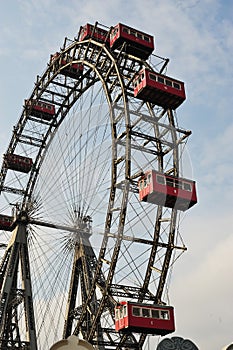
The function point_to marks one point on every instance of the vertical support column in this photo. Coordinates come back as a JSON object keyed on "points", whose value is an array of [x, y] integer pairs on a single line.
{"points": [[13, 294], [27, 287], [72, 294], [8, 293]]}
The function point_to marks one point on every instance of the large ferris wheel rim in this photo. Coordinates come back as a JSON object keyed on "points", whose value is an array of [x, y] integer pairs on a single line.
{"points": [[47, 79]]}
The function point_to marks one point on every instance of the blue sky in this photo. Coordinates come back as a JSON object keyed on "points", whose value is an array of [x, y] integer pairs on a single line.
{"points": [[197, 36]]}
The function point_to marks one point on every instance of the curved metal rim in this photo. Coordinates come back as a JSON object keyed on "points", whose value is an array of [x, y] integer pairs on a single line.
{"points": [[45, 81]]}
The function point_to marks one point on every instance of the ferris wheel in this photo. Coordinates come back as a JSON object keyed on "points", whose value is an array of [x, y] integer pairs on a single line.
{"points": [[91, 193]]}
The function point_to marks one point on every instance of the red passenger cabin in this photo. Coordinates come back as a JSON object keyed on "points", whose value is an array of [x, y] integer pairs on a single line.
{"points": [[90, 31], [18, 163], [167, 190], [73, 70], [6, 222], [144, 318], [137, 43], [159, 89], [40, 109]]}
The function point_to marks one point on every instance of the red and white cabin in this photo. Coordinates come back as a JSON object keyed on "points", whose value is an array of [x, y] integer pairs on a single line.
{"points": [[18, 163], [166, 190], [138, 44], [144, 318], [40, 109], [159, 89], [73, 70], [90, 31], [6, 222]]}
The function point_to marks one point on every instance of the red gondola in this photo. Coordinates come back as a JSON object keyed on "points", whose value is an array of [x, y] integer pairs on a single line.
{"points": [[40, 109], [138, 44], [167, 190], [144, 318], [18, 163], [159, 89], [90, 31], [6, 222], [74, 70]]}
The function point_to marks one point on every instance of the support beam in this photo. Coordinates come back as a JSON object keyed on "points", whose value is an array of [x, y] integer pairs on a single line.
{"points": [[16, 290]]}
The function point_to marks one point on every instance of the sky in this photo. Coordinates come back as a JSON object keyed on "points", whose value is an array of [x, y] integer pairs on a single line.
{"points": [[197, 36]]}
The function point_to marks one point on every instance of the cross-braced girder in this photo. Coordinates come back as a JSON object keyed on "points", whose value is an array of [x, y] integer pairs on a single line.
{"points": [[16, 295]]}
